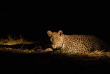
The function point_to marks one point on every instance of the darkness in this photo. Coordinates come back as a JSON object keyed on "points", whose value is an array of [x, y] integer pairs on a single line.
{"points": [[33, 19]]}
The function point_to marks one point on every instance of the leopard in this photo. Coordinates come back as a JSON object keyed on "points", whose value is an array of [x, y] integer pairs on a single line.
{"points": [[74, 43]]}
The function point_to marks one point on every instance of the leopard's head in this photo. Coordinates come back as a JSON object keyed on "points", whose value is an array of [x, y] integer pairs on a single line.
{"points": [[56, 39]]}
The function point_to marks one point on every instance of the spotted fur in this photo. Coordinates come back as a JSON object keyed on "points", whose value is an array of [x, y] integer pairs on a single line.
{"points": [[73, 43]]}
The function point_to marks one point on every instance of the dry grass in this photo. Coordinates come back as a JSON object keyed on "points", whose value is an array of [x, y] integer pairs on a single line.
{"points": [[25, 51], [98, 54], [95, 54], [11, 50], [90, 54], [12, 41]]}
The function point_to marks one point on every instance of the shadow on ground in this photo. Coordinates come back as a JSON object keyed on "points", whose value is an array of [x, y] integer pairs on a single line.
{"points": [[52, 63]]}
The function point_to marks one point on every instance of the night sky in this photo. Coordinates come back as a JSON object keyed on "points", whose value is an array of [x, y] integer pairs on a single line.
{"points": [[33, 19]]}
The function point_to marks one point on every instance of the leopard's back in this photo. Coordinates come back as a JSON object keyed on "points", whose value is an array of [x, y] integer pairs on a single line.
{"points": [[81, 43]]}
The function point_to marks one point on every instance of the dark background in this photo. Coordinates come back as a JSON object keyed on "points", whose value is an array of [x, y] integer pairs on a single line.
{"points": [[33, 19]]}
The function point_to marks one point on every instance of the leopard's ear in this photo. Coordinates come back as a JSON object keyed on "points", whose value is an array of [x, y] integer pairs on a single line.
{"points": [[49, 33], [60, 32]]}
